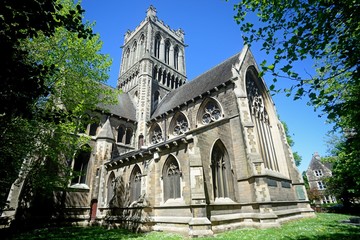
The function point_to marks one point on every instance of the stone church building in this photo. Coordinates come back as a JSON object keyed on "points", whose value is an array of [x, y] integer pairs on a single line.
{"points": [[196, 157]]}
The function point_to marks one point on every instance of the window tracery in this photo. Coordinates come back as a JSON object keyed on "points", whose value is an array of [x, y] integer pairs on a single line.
{"points": [[261, 121], [211, 113], [171, 179], [221, 171], [180, 124], [156, 136]]}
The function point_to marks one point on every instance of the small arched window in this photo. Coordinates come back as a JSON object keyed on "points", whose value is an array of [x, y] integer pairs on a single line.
{"points": [[129, 134], [157, 46], [156, 135], [80, 166], [179, 124], [135, 184], [110, 187], [171, 179], [121, 134], [209, 112], [140, 141]]}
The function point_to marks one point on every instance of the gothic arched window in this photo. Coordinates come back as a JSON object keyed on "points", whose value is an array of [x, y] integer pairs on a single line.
{"points": [[110, 187], [176, 57], [221, 171], [171, 179], [128, 137], [121, 134], [156, 134], [135, 184], [209, 112], [80, 166], [127, 59], [140, 141], [157, 46], [179, 124], [167, 51], [134, 53], [260, 118]]}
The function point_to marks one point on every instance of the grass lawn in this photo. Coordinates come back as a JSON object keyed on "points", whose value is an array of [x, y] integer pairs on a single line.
{"points": [[324, 226]]}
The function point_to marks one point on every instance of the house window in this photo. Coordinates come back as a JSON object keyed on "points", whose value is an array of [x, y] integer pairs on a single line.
{"points": [[261, 120], [318, 173], [221, 171], [135, 184], [80, 166], [110, 187], [321, 185], [156, 135], [210, 112], [171, 179], [179, 124]]}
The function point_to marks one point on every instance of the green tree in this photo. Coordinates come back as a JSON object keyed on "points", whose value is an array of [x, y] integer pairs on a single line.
{"points": [[328, 33], [22, 80], [73, 90], [291, 143]]}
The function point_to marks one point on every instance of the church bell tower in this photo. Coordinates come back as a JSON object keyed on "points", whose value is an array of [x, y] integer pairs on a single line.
{"points": [[153, 64]]}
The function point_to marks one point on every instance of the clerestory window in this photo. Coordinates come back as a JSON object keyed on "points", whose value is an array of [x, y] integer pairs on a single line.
{"points": [[179, 124], [210, 112], [156, 135]]}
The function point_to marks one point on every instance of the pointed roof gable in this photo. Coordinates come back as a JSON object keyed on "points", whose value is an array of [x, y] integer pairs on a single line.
{"points": [[106, 131], [316, 163], [201, 84]]}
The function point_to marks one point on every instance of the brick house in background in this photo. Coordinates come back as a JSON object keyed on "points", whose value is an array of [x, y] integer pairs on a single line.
{"points": [[197, 157], [316, 174]]}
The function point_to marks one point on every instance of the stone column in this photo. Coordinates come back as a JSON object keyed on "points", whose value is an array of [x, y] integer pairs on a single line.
{"points": [[199, 225]]}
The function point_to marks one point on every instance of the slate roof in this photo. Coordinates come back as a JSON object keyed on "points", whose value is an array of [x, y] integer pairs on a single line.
{"points": [[123, 108], [201, 84]]}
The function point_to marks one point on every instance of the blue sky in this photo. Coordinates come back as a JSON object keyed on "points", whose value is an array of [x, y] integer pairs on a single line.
{"points": [[212, 36]]}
